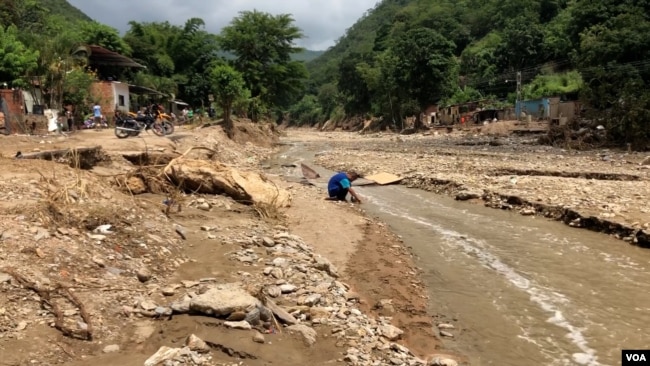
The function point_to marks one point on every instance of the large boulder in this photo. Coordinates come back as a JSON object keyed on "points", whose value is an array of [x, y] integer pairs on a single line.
{"points": [[212, 177], [223, 300]]}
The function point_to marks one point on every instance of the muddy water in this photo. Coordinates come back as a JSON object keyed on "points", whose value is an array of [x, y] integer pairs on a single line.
{"points": [[524, 290]]}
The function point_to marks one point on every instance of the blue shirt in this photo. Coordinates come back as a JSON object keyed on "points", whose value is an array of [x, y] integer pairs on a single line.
{"points": [[338, 181], [97, 110]]}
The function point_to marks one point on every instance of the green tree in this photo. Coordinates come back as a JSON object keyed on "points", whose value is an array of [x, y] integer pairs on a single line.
{"points": [[263, 45], [94, 33], [227, 87], [16, 60], [424, 67]]}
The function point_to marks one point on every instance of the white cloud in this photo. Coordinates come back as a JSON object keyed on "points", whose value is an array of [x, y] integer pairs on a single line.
{"points": [[322, 21]]}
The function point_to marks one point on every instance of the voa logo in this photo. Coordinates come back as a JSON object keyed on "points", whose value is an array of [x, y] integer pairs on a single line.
{"points": [[635, 357]]}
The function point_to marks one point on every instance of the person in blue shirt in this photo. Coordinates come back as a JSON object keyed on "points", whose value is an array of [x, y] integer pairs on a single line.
{"points": [[97, 113], [340, 185]]}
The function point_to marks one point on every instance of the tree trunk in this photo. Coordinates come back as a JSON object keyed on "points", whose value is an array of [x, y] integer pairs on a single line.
{"points": [[228, 125]]}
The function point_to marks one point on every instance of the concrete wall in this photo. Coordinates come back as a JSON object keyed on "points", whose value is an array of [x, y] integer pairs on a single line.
{"points": [[538, 108], [121, 96]]}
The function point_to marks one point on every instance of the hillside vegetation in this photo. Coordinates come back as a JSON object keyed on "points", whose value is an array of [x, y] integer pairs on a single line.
{"points": [[399, 58], [404, 55]]}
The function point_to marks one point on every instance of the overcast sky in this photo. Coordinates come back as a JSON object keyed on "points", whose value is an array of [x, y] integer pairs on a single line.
{"points": [[322, 21]]}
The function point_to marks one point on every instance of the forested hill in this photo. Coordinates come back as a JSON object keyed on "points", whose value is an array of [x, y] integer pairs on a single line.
{"points": [[64, 9], [406, 54]]}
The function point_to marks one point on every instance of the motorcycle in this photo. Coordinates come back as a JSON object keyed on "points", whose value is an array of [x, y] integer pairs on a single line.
{"points": [[165, 120], [90, 123], [126, 126]]}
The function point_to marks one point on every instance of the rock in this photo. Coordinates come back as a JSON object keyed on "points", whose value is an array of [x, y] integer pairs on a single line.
{"points": [[282, 314], [237, 316], [182, 306], [111, 348], [143, 275], [222, 300], [308, 334], [41, 233], [442, 361], [181, 231], [148, 305], [322, 264], [4, 277], [203, 206], [312, 299], [163, 311], [268, 242], [258, 337], [22, 325], [168, 291], [467, 195], [446, 334], [163, 354], [238, 325], [212, 177], [445, 326], [277, 273], [196, 344], [390, 332], [319, 313], [288, 288], [274, 291]]}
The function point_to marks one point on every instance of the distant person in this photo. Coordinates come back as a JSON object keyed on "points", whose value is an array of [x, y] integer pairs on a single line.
{"points": [[340, 185], [68, 116], [97, 113]]}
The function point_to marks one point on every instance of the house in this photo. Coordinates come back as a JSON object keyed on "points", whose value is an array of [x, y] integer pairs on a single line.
{"points": [[551, 109], [109, 93]]}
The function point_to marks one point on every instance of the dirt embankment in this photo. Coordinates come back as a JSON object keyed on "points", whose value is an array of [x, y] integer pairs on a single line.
{"points": [[600, 190], [117, 263]]}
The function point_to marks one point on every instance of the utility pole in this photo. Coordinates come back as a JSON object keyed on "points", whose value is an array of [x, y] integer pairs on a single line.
{"points": [[518, 95]]}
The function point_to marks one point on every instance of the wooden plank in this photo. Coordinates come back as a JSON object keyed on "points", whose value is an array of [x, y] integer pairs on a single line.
{"points": [[384, 178]]}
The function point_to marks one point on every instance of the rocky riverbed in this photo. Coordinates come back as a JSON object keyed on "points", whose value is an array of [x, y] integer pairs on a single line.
{"points": [[601, 190], [94, 272]]}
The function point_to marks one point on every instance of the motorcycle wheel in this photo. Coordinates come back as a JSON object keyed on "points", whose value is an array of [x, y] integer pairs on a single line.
{"points": [[121, 134], [158, 129], [168, 127]]}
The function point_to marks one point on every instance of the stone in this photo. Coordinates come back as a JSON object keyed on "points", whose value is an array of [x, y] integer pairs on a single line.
{"points": [[196, 344], [277, 273], [148, 305], [163, 354], [312, 299], [282, 314], [445, 326], [322, 264], [168, 291], [268, 242], [390, 332], [319, 313], [288, 288], [258, 337], [111, 348], [182, 306], [22, 325], [446, 334], [143, 275], [468, 195], [238, 325], [274, 291], [222, 300], [4, 277], [442, 361], [181, 231], [237, 316], [308, 334]]}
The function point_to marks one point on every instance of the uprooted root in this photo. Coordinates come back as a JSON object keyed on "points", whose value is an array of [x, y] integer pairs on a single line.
{"points": [[47, 300]]}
